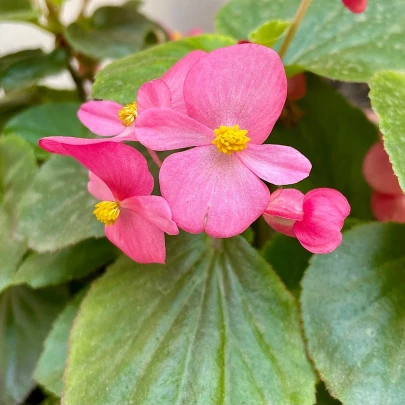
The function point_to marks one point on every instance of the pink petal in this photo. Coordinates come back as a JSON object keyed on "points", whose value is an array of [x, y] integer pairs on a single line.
{"points": [[137, 238], [154, 209], [244, 85], [152, 94], [281, 225], [166, 129], [286, 203], [122, 168], [98, 189], [101, 117], [175, 76], [355, 6], [378, 172], [333, 196], [276, 164], [296, 87], [209, 190], [388, 208]]}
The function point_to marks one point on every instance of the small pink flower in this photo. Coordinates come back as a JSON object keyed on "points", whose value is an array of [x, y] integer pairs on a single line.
{"points": [[108, 118], [388, 200], [233, 98], [135, 221], [355, 6], [296, 87], [315, 218]]}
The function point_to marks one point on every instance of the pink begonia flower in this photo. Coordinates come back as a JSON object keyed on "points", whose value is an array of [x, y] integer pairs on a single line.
{"points": [[233, 97], [387, 200], [110, 119], [135, 221], [315, 218], [355, 6]]}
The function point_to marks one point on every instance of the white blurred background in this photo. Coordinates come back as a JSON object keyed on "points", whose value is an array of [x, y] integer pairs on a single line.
{"points": [[177, 15]]}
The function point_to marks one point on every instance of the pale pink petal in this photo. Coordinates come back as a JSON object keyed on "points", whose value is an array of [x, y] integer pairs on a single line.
{"points": [[209, 190], [277, 164], [333, 196], [122, 168], [101, 117], [237, 85], [137, 238], [175, 76], [286, 203], [155, 209], [355, 6], [388, 208], [153, 94], [166, 129], [98, 189], [378, 172], [281, 225]]}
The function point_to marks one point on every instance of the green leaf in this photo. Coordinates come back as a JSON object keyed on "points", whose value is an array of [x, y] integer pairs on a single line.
{"points": [[17, 10], [26, 317], [353, 304], [388, 100], [25, 68], [57, 211], [78, 261], [335, 137], [270, 32], [113, 32], [51, 364], [331, 41], [213, 326], [46, 120], [288, 258], [121, 79]]}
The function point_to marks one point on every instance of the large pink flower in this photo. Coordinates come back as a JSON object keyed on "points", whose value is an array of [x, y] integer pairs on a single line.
{"points": [[233, 98], [134, 220], [388, 200], [315, 219], [110, 119], [355, 6]]}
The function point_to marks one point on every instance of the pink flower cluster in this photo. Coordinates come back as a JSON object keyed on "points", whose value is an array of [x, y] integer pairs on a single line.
{"points": [[218, 108]]}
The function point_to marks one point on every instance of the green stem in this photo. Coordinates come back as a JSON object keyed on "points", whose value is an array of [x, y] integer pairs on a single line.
{"points": [[302, 9], [78, 82]]}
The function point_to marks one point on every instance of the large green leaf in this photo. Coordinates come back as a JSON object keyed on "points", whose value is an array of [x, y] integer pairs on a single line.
{"points": [[57, 210], [353, 304], [330, 41], [46, 120], [26, 317], [121, 79], [16, 10], [113, 32], [49, 370], [388, 100], [44, 269], [213, 326], [25, 68], [335, 137]]}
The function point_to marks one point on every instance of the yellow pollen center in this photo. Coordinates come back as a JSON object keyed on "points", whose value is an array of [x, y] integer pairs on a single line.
{"points": [[230, 139], [128, 114], [107, 212]]}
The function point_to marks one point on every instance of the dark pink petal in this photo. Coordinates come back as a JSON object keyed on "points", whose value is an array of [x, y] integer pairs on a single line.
{"points": [[175, 76], [388, 207], [154, 209], [122, 168], [237, 85], [101, 117], [277, 164], [209, 190], [286, 203], [98, 189], [153, 94], [296, 87], [333, 196], [137, 238], [355, 6], [166, 129], [378, 172]]}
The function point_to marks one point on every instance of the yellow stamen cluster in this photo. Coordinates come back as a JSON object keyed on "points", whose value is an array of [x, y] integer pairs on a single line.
{"points": [[107, 212], [128, 114], [230, 139]]}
